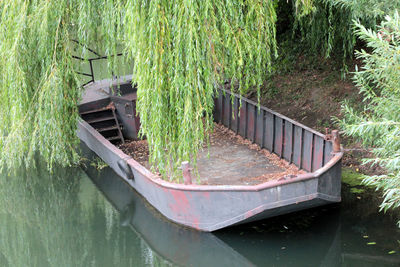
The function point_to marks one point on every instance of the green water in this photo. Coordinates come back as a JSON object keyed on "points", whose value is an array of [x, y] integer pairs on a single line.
{"points": [[61, 219], [68, 219]]}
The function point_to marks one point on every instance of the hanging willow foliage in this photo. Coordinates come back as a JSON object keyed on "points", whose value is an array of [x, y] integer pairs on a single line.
{"points": [[38, 89], [183, 50], [327, 27]]}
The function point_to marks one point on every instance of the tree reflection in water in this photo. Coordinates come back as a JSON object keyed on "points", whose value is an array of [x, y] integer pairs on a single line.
{"points": [[61, 219]]}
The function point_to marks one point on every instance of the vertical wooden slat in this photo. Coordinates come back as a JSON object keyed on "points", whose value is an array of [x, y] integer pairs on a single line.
{"points": [[269, 131], [288, 147], [297, 145], [328, 151], [216, 109], [251, 121], [255, 123], [318, 155], [230, 111], [307, 151], [278, 142], [226, 113], [260, 128], [243, 119], [235, 119], [220, 106]]}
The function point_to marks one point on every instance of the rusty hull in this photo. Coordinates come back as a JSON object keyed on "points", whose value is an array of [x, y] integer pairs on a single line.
{"points": [[212, 207]]}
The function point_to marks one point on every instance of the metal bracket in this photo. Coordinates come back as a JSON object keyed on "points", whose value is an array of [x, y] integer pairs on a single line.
{"points": [[186, 172], [334, 138], [123, 165]]}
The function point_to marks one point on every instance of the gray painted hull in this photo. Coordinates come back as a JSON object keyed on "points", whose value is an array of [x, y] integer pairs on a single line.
{"points": [[209, 208]]}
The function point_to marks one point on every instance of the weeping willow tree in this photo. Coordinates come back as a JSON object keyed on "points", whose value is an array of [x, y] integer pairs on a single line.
{"points": [[182, 50], [326, 27]]}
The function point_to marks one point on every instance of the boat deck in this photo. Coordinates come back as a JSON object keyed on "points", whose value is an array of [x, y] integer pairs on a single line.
{"points": [[230, 160]]}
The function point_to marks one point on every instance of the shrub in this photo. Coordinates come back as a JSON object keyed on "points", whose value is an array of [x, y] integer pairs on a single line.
{"points": [[378, 124]]}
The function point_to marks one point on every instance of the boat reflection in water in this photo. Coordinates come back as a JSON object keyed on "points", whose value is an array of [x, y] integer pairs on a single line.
{"points": [[247, 245]]}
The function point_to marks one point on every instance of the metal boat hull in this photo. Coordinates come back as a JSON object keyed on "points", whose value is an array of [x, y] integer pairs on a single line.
{"points": [[209, 208]]}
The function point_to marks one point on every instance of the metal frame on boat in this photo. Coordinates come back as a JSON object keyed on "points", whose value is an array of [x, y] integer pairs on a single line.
{"points": [[212, 207]]}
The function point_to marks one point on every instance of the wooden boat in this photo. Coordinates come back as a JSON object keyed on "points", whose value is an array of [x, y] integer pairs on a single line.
{"points": [[209, 207]]}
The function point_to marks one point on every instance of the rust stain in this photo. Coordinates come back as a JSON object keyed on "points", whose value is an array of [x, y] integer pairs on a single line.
{"points": [[182, 209], [206, 194], [196, 223], [249, 214], [181, 205]]}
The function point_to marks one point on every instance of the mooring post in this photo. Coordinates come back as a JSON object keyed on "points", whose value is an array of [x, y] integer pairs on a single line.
{"points": [[187, 177], [336, 141]]}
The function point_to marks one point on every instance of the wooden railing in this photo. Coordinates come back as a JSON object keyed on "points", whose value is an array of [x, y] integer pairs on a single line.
{"points": [[295, 142]]}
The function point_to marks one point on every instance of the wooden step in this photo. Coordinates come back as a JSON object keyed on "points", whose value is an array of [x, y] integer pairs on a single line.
{"points": [[105, 129], [95, 110], [108, 118], [112, 138]]}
